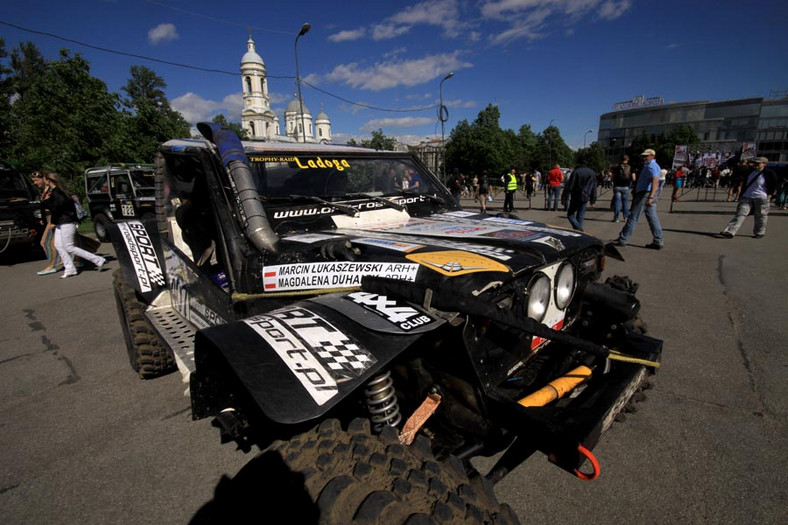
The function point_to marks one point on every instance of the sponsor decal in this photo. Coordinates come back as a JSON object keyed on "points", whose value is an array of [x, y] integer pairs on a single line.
{"points": [[490, 251], [453, 214], [552, 242], [143, 256], [456, 262], [309, 238], [304, 212], [536, 227], [306, 276], [513, 235], [537, 341], [319, 354], [303, 162], [405, 317], [398, 246]]}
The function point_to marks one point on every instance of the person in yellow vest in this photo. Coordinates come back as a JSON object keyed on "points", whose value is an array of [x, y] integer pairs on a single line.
{"points": [[510, 186]]}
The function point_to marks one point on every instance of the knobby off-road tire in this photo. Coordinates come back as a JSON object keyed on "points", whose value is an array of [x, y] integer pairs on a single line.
{"points": [[100, 223], [147, 354], [332, 476]]}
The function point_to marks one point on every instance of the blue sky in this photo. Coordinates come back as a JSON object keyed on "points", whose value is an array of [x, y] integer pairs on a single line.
{"points": [[540, 61]]}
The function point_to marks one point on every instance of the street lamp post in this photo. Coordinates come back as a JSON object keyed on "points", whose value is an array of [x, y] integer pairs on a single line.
{"points": [[304, 30], [550, 141], [586, 135], [443, 116]]}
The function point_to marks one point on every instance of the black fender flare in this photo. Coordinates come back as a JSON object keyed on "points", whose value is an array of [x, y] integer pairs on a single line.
{"points": [[140, 256], [298, 362]]}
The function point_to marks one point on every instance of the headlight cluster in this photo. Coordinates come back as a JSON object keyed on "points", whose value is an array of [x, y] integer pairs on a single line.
{"points": [[540, 289]]}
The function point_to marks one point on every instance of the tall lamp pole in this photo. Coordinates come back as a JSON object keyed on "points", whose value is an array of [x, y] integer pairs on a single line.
{"points": [[304, 30], [443, 116], [586, 135], [550, 142]]}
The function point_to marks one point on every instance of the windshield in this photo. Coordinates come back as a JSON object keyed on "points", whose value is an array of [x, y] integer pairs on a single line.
{"points": [[143, 182], [326, 176], [13, 185]]}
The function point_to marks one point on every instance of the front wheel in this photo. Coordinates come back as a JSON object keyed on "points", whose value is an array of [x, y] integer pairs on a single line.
{"points": [[333, 476], [147, 353], [100, 223]]}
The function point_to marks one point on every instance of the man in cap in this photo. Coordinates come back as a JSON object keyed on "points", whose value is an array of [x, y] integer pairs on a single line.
{"points": [[646, 190], [755, 192]]}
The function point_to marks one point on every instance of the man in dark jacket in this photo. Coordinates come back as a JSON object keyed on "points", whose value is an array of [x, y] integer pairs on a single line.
{"points": [[582, 191], [755, 192]]}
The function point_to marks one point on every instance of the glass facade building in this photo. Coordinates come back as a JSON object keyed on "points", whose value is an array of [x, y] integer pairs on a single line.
{"points": [[720, 126]]}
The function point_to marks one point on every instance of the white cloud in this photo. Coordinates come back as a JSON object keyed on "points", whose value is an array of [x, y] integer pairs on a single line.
{"points": [[531, 18], [388, 31], [393, 73], [348, 35], [403, 122], [196, 109], [162, 33]]}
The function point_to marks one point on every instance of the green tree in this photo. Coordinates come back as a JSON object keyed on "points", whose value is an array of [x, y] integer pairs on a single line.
{"points": [[483, 145], [380, 141], [63, 121], [235, 126], [593, 156], [149, 118], [553, 150]]}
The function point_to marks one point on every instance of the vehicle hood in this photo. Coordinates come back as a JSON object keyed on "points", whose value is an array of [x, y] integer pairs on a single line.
{"points": [[389, 243]]}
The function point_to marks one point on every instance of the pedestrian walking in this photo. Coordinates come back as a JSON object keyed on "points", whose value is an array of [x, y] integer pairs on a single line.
{"points": [[510, 186], [646, 188], [582, 191], [455, 185], [554, 179], [623, 177], [48, 235], [755, 194], [484, 190], [64, 217]]}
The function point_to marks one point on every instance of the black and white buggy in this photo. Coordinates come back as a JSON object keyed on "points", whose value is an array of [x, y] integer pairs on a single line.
{"points": [[335, 307]]}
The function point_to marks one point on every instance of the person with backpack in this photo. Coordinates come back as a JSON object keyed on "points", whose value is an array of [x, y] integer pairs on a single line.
{"points": [[622, 180], [581, 190], [64, 217]]}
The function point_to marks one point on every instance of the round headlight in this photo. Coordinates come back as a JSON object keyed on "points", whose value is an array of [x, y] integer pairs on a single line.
{"points": [[564, 286], [538, 297]]}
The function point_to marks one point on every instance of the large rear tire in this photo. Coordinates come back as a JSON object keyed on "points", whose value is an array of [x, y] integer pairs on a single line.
{"points": [[333, 476], [147, 353]]}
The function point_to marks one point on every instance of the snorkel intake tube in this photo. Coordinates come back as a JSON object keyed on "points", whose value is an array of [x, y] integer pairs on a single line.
{"points": [[237, 164]]}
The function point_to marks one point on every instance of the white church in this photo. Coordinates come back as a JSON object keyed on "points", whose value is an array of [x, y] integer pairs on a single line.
{"points": [[258, 118]]}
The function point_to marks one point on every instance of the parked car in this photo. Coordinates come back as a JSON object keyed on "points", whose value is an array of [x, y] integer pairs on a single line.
{"points": [[118, 192], [21, 220]]}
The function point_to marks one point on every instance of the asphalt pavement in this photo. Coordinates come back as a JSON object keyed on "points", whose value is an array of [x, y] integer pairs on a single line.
{"points": [[83, 440]]}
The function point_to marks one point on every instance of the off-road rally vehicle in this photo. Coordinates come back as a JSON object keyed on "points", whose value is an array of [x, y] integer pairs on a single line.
{"points": [[21, 220], [335, 307], [119, 192]]}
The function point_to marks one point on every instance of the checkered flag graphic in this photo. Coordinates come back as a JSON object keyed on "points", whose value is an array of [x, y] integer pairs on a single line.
{"points": [[343, 356]]}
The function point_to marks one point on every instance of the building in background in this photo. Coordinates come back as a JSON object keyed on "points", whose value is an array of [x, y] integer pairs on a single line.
{"points": [[259, 119], [721, 127]]}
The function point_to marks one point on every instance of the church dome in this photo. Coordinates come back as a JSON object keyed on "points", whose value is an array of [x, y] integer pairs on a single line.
{"points": [[251, 55], [294, 107]]}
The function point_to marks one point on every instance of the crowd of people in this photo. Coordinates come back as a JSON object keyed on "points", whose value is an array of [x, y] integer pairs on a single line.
{"points": [[636, 192]]}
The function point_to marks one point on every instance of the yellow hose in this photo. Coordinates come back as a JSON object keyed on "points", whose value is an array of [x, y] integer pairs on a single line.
{"points": [[557, 388]]}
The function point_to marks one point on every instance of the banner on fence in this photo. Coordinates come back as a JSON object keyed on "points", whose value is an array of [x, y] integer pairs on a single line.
{"points": [[680, 157], [747, 150]]}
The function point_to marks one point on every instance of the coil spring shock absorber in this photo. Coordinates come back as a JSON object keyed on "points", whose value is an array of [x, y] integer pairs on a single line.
{"points": [[382, 402]]}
